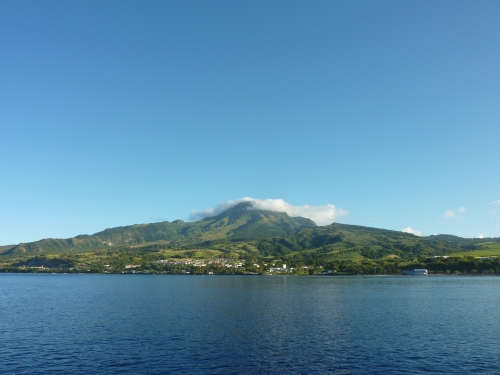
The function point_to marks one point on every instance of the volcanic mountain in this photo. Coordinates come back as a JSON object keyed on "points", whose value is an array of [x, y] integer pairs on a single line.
{"points": [[240, 222], [247, 229]]}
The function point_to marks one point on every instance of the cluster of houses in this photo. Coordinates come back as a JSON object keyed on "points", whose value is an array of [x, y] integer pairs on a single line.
{"points": [[223, 262]]}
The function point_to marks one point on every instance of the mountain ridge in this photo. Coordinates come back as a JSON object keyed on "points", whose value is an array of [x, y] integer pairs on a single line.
{"points": [[243, 226], [238, 222]]}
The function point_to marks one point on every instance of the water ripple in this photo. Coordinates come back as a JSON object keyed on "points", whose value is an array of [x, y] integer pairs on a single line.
{"points": [[111, 324]]}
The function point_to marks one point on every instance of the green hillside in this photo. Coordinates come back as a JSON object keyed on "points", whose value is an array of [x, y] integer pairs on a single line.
{"points": [[485, 249], [237, 223], [246, 233], [4, 249]]}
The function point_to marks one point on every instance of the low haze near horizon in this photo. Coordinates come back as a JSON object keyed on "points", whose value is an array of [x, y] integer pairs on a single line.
{"points": [[122, 112]]}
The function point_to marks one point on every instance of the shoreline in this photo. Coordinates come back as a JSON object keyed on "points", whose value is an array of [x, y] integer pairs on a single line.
{"points": [[249, 275]]}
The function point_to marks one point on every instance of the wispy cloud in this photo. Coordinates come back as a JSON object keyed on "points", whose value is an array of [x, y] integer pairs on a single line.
{"points": [[454, 214], [450, 214], [480, 236], [412, 231], [321, 215], [496, 202]]}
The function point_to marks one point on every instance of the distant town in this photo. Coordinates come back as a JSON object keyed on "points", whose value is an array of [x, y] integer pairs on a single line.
{"points": [[435, 265]]}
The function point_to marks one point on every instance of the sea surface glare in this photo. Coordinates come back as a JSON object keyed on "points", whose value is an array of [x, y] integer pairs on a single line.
{"points": [[145, 324]]}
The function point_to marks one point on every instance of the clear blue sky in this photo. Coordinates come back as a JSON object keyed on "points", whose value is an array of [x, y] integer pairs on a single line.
{"points": [[121, 112]]}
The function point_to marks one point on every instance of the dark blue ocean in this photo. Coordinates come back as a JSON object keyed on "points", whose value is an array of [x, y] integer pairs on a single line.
{"points": [[146, 324]]}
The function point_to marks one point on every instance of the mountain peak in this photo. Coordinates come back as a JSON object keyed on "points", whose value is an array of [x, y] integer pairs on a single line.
{"points": [[245, 221], [246, 205]]}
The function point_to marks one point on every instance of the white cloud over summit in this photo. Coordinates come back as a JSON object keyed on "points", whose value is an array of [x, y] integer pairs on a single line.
{"points": [[412, 231], [321, 215]]}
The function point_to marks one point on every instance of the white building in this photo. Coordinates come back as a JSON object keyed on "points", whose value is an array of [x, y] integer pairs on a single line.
{"points": [[418, 271]]}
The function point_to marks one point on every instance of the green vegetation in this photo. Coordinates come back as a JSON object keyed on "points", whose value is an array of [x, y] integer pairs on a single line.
{"points": [[251, 241], [486, 249]]}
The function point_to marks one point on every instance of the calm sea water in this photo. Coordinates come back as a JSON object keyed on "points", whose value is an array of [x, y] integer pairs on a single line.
{"points": [[116, 324]]}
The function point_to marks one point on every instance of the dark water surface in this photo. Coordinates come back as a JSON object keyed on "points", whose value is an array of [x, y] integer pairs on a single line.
{"points": [[117, 324]]}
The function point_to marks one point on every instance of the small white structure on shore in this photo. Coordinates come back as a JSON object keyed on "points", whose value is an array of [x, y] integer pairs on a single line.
{"points": [[418, 271]]}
